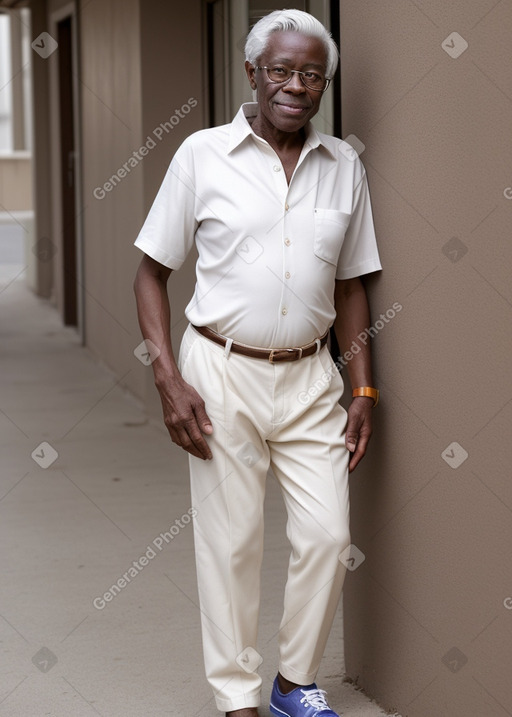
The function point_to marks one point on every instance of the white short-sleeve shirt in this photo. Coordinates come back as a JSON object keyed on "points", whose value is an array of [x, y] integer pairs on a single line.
{"points": [[268, 252]]}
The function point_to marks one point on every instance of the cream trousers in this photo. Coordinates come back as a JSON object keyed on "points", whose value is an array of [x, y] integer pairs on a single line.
{"points": [[285, 416]]}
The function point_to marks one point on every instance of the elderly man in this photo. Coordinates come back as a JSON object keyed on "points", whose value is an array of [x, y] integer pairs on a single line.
{"points": [[281, 218]]}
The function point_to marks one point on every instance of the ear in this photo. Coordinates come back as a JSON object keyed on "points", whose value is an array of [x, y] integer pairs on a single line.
{"points": [[251, 72]]}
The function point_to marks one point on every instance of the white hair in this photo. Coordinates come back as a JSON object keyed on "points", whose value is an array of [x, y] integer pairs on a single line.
{"points": [[295, 21]]}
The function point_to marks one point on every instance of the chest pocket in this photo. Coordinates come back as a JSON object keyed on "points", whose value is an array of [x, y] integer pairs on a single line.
{"points": [[330, 228]]}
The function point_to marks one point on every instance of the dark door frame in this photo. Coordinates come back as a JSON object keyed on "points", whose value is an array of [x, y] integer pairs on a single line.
{"points": [[68, 207], [67, 170]]}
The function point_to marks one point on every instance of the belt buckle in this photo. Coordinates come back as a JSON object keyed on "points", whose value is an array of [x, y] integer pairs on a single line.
{"points": [[284, 354]]}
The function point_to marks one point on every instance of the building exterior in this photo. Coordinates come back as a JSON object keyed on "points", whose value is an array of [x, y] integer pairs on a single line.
{"points": [[426, 98]]}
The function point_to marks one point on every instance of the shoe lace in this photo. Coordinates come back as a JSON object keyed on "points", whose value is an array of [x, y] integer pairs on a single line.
{"points": [[314, 698]]}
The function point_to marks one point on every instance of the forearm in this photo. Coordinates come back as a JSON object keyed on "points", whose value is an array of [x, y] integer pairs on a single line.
{"points": [[154, 314], [352, 318], [183, 408]]}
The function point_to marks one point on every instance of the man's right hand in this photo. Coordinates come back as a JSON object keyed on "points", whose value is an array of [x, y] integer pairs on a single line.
{"points": [[184, 412], [185, 416]]}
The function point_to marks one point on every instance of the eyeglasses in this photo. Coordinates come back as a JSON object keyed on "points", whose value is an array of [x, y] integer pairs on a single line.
{"points": [[312, 80]]}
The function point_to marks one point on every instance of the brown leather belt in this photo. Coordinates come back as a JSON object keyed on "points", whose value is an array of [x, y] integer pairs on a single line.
{"points": [[272, 355]]}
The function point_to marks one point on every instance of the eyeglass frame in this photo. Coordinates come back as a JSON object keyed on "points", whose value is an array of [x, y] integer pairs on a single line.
{"points": [[298, 72]]}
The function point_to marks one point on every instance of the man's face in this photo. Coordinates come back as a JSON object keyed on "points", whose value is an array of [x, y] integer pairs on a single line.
{"points": [[288, 107]]}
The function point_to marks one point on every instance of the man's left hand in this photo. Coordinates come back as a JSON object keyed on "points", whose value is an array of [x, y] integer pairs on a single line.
{"points": [[359, 428]]}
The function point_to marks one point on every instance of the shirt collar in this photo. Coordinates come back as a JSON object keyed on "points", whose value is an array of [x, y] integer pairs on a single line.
{"points": [[241, 129]]}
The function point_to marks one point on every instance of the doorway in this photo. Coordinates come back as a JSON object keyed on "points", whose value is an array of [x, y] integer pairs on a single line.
{"points": [[67, 172]]}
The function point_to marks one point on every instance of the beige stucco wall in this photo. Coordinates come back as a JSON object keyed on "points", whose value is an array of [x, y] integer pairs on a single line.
{"points": [[171, 39], [111, 132], [432, 591], [16, 181], [127, 50]]}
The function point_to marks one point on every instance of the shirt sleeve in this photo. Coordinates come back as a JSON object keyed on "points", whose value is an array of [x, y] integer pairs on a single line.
{"points": [[168, 233], [359, 253]]}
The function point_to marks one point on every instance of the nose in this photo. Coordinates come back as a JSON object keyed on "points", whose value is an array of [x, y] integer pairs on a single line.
{"points": [[294, 84]]}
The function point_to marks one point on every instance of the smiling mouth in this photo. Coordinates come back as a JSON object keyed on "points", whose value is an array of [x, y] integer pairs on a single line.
{"points": [[294, 109]]}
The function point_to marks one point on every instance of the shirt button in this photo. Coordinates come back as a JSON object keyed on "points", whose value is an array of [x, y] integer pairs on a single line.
{"points": [[287, 275], [287, 242], [277, 168], [286, 206], [284, 311]]}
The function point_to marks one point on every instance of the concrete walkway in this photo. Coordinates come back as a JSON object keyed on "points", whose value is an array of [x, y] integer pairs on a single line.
{"points": [[88, 487]]}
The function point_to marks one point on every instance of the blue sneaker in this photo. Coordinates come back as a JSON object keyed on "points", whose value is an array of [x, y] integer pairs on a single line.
{"points": [[306, 701]]}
